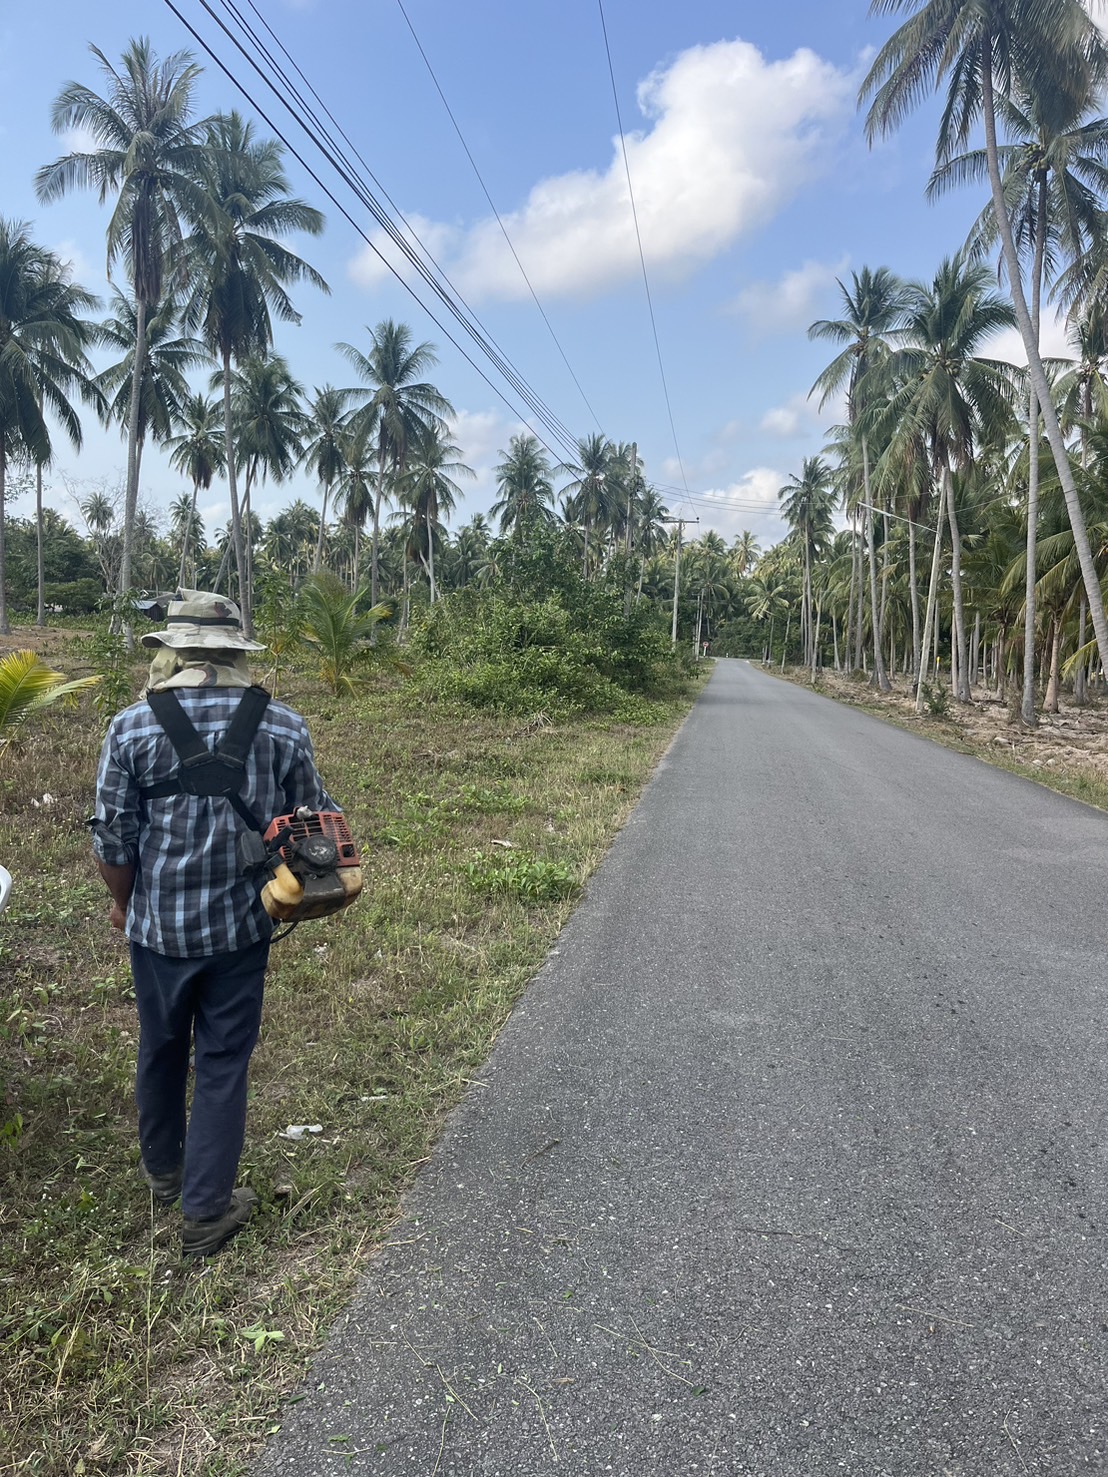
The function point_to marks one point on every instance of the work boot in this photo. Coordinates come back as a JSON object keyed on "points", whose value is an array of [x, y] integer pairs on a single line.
{"points": [[165, 1188], [205, 1238]]}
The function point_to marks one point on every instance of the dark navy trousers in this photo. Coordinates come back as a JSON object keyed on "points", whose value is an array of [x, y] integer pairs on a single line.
{"points": [[214, 1003]]}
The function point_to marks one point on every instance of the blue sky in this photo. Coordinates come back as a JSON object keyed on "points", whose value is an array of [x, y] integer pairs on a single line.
{"points": [[753, 184]]}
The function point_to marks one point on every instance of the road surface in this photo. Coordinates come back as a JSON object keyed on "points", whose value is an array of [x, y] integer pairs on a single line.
{"points": [[792, 1161]]}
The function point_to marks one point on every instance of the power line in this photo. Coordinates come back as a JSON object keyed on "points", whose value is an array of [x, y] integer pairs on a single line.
{"points": [[496, 213], [638, 238], [346, 173], [433, 274]]}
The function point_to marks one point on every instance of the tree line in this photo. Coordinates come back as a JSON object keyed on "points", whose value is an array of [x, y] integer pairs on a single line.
{"points": [[976, 493]]}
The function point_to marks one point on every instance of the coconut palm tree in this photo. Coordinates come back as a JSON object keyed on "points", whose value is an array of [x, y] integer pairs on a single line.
{"points": [[239, 271], [807, 502], [981, 51], [197, 453], [745, 551], [953, 400], [590, 495], [431, 491], [356, 490], [399, 409], [873, 311], [268, 415], [1052, 174], [163, 386], [323, 449], [43, 343], [147, 155], [523, 480]]}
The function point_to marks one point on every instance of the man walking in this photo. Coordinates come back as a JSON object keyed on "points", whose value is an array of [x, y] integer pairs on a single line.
{"points": [[199, 935]]}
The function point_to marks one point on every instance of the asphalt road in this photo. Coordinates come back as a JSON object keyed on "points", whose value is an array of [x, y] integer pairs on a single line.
{"points": [[792, 1161]]}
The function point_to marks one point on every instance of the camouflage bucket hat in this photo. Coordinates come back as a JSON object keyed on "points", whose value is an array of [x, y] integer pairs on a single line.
{"points": [[199, 619]]}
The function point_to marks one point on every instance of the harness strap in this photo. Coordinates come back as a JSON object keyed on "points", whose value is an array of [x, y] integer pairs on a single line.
{"points": [[190, 748]]}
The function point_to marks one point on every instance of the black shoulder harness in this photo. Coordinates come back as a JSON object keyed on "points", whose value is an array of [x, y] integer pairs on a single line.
{"points": [[202, 772]]}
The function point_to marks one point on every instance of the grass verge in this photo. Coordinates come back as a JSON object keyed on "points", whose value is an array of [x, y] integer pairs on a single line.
{"points": [[480, 832]]}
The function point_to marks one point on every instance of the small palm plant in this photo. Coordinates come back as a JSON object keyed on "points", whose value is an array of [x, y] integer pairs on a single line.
{"points": [[337, 630], [28, 685]]}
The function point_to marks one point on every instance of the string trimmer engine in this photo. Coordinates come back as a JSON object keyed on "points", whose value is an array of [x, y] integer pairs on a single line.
{"points": [[315, 863]]}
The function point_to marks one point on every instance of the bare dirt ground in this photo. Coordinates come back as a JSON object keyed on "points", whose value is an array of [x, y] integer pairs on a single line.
{"points": [[1067, 750]]}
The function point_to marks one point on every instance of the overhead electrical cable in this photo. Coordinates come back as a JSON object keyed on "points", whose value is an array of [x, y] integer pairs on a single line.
{"points": [[555, 430], [415, 242], [638, 238], [496, 213], [429, 269]]}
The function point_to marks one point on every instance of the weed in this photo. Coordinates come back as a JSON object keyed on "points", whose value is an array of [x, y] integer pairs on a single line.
{"points": [[936, 697], [522, 876]]}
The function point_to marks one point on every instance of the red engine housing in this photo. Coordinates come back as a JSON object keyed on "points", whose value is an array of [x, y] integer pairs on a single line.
{"points": [[329, 823]]}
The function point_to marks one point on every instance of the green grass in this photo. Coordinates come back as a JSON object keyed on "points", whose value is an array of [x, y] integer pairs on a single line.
{"points": [[119, 1358]]}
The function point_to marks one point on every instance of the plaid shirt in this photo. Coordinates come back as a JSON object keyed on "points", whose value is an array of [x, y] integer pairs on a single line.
{"points": [[189, 898]]}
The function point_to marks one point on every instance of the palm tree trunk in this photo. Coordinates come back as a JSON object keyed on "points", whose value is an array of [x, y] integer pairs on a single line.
{"points": [[317, 563], [914, 596], [1050, 703], [1080, 690], [187, 539], [815, 641], [431, 560], [932, 597], [130, 498], [879, 673], [40, 572], [959, 677], [849, 632], [232, 488], [1035, 366], [835, 639], [5, 628], [785, 646]]}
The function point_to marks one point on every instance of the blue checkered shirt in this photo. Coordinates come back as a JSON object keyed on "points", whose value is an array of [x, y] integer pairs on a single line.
{"points": [[189, 898]]}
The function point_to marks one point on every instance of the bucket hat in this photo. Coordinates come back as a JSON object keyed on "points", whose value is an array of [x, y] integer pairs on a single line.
{"points": [[200, 619]]}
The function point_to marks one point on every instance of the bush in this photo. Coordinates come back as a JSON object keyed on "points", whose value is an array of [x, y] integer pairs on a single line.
{"points": [[494, 650]]}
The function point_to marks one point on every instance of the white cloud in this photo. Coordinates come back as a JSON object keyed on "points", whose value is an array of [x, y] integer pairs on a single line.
{"points": [[800, 416], [731, 138], [1008, 346], [750, 501], [792, 301], [80, 267], [368, 270]]}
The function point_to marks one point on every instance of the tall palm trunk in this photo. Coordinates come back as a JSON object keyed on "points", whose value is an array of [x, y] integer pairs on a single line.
{"points": [[960, 676], [1035, 365], [1054, 682], [40, 571], [932, 600], [5, 628], [1027, 712], [317, 562], [879, 673], [187, 540], [849, 632], [1080, 689], [914, 596], [232, 488], [130, 498]]}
